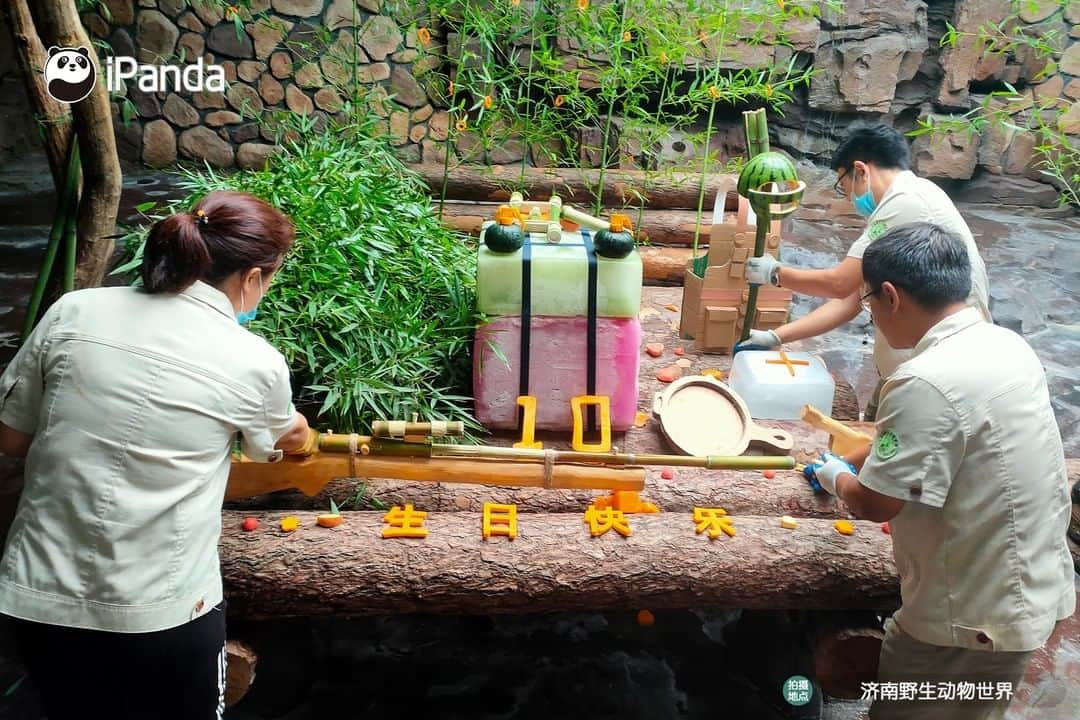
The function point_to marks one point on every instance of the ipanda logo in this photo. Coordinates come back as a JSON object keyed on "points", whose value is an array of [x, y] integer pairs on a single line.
{"points": [[70, 75]]}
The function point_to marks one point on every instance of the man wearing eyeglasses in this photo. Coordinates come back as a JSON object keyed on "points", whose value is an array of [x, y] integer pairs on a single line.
{"points": [[968, 468], [872, 169]]}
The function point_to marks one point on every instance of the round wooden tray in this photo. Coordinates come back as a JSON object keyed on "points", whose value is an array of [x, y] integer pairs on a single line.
{"points": [[701, 416]]}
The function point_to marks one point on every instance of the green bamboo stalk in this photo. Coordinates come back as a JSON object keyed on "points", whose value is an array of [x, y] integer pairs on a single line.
{"points": [[71, 245], [65, 207], [757, 141]]}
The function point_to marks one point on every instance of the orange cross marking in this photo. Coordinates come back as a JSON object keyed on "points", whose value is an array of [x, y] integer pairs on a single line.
{"points": [[785, 360]]}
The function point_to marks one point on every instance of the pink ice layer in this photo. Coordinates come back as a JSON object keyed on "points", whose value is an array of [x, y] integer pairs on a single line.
{"points": [[557, 369]]}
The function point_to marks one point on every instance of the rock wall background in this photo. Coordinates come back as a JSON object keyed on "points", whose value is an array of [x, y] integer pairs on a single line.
{"points": [[876, 60]]}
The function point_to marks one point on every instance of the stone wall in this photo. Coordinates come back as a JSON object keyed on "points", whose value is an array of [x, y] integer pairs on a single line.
{"points": [[876, 59]]}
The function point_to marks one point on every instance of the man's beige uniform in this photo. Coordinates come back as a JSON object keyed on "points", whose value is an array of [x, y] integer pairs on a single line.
{"points": [[910, 199], [967, 438], [133, 401]]}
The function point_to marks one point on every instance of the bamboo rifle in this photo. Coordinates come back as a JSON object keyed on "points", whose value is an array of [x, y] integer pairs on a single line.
{"points": [[406, 451]]}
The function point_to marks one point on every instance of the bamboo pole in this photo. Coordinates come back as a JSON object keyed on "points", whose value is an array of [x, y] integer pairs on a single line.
{"points": [[757, 141], [310, 475]]}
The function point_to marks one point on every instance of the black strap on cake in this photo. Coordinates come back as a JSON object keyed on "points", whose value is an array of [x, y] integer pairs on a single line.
{"points": [[526, 323], [590, 327], [590, 330]]}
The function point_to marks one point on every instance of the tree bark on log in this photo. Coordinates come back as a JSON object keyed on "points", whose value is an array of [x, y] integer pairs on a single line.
{"points": [[54, 117], [661, 227], [58, 23], [552, 565], [665, 265], [575, 186]]}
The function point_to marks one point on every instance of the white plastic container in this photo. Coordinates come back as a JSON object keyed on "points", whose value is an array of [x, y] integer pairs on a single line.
{"points": [[772, 392]]}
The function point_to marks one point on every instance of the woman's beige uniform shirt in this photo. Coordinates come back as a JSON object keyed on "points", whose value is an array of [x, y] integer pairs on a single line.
{"points": [[133, 401]]}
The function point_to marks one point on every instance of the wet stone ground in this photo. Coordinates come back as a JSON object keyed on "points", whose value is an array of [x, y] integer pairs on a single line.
{"points": [[686, 666]]}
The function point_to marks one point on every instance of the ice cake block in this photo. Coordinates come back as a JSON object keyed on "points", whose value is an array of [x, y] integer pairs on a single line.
{"points": [[776, 385], [559, 280], [557, 369]]}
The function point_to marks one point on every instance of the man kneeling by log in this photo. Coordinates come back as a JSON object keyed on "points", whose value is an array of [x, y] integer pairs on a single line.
{"points": [[967, 465]]}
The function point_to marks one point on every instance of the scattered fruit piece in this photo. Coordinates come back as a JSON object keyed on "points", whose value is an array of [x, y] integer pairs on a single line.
{"points": [[290, 523], [683, 363], [655, 349], [679, 351], [713, 373], [768, 474], [788, 523], [672, 308], [669, 374], [250, 524], [885, 528], [329, 520], [667, 474], [640, 419], [844, 527], [645, 618]]}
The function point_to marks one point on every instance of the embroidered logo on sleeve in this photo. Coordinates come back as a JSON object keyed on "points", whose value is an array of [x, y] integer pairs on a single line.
{"points": [[887, 445], [877, 229]]}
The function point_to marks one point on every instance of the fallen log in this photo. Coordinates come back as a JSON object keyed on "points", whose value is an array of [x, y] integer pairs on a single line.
{"points": [[553, 564], [665, 265], [664, 227], [622, 188], [742, 492]]}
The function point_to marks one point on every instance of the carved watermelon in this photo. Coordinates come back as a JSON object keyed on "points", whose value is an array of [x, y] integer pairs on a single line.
{"points": [[765, 168]]}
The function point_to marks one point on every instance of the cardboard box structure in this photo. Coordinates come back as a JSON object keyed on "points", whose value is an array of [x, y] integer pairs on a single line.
{"points": [[714, 305]]}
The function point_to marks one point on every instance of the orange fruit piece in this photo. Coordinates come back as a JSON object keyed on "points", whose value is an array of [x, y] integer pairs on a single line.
{"points": [[329, 520], [655, 349], [669, 374], [679, 351], [645, 618], [769, 474]]}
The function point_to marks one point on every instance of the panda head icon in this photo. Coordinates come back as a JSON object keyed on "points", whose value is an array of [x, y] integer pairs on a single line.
{"points": [[69, 73]]}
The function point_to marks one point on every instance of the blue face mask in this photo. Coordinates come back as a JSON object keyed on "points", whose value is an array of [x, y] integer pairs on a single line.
{"points": [[245, 316], [865, 204]]}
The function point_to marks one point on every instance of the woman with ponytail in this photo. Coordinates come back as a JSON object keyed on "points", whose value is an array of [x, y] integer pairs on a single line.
{"points": [[125, 404]]}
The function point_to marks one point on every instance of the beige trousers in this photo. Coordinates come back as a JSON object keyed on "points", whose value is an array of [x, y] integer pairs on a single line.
{"points": [[937, 671]]}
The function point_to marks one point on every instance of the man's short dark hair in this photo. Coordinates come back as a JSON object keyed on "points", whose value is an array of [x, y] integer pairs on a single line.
{"points": [[927, 261], [878, 144]]}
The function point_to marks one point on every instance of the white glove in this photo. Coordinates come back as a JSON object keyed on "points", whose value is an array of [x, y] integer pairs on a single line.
{"points": [[759, 340], [833, 467], [764, 270]]}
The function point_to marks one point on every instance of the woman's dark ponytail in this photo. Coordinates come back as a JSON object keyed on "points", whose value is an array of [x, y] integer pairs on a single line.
{"points": [[226, 232], [175, 255]]}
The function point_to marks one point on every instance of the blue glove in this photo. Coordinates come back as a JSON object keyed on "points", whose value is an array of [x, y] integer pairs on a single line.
{"points": [[758, 340], [822, 475]]}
